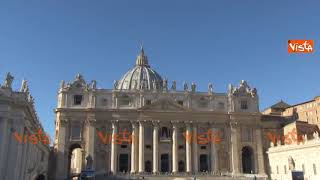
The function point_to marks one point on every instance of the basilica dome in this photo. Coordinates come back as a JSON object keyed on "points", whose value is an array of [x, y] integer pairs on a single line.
{"points": [[142, 76]]}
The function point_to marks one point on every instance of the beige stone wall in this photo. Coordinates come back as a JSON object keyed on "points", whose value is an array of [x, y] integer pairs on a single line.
{"points": [[306, 158], [20, 159], [308, 112], [235, 114]]}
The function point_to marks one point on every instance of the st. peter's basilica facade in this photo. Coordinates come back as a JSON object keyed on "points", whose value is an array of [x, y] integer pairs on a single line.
{"points": [[169, 130]]}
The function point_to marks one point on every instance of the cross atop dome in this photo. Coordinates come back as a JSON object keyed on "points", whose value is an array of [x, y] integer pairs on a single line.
{"points": [[142, 59]]}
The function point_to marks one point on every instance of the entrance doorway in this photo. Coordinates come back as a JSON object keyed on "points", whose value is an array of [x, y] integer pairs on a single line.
{"points": [[181, 166], [148, 166], [75, 159], [204, 163], [41, 177], [123, 162], [164, 162], [247, 160]]}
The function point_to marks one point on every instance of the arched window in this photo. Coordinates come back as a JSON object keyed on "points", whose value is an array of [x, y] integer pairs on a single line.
{"points": [[165, 132]]}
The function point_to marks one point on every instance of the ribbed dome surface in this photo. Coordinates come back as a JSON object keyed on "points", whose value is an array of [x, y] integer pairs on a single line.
{"points": [[141, 76]]}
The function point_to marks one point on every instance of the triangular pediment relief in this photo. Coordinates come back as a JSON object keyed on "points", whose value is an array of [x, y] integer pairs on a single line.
{"points": [[164, 105]]}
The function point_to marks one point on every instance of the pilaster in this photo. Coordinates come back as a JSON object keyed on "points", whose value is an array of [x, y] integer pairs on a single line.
{"points": [[195, 148], [261, 169], [234, 129]]}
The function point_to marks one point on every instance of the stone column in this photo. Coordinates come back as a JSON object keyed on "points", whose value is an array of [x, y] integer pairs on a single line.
{"points": [[213, 153], [155, 147], [141, 147], [174, 147], [195, 148], [114, 153], [134, 145], [90, 138], [188, 139], [260, 159], [234, 148]]}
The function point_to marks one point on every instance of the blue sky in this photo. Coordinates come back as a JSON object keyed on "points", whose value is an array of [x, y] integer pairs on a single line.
{"points": [[221, 42]]}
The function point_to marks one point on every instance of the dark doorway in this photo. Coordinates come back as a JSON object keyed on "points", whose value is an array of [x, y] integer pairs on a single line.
{"points": [[41, 177], [123, 162], [181, 166], [204, 163], [148, 166], [247, 160], [164, 162]]}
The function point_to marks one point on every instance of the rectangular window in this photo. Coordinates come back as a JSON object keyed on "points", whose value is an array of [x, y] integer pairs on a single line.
{"points": [[203, 103], [220, 105], [76, 132], [244, 104], [77, 99], [220, 133], [124, 146], [148, 102], [314, 169], [124, 100], [42, 156], [285, 169], [203, 147], [104, 102], [148, 146], [247, 134]]}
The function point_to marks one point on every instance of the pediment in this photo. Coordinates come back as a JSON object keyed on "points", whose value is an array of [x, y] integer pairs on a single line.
{"points": [[164, 105]]}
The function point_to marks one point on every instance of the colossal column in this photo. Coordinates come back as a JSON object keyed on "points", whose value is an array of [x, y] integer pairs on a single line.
{"points": [[90, 137], [234, 148], [174, 147], [195, 148], [134, 145], [114, 153], [214, 154], [141, 147], [155, 147], [188, 138]]}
